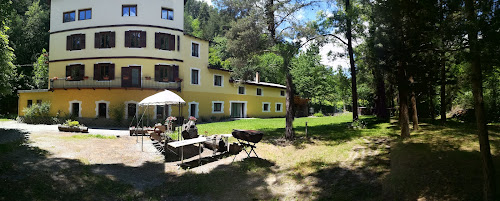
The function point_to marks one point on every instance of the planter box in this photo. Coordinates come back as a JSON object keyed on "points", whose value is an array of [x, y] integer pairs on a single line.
{"points": [[73, 129]]}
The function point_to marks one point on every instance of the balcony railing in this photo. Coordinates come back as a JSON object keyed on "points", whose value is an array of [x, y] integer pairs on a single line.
{"points": [[90, 83]]}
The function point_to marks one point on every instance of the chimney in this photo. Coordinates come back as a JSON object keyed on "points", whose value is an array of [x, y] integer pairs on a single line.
{"points": [[257, 78]]}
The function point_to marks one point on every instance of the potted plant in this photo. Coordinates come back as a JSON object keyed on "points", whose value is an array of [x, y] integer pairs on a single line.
{"points": [[178, 79], [169, 123], [69, 78], [191, 118], [73, 126], [54, 78], [125, 77], [86, 77], [148, 77], [165, 79], [105, 78]]}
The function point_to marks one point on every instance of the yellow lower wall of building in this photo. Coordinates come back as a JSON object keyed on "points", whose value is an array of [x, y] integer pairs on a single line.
{"points": [[60, 102]]}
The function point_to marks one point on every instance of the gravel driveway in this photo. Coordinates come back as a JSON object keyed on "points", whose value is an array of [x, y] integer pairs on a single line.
{"points": [[120, 158]]}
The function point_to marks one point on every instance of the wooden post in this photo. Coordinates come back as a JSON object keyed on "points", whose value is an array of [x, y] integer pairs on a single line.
{"points": [[307, 136]]}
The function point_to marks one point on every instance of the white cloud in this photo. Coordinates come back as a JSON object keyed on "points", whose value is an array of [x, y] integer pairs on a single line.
{"points": [[209, 2]]}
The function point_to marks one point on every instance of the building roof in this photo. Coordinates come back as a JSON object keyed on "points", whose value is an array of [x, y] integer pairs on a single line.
{"points": [[267, 84], [32, 91], [217, 68]]}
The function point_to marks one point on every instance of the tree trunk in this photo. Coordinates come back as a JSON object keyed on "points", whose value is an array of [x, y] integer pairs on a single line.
{"points": [[353, 67], [289, 133], [443, 90], [380, 99], [404, 120], [414, 114], [431, 101], [477, 90]]}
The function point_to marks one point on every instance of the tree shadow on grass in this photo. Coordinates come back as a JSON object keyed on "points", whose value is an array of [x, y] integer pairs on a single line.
{"points": [[29, 173], [421, 170], [334, 133]]}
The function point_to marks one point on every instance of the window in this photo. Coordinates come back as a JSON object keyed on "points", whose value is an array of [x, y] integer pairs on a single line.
{"points": [[166, 73], [75, 42], [75, 109], [195, 49], [104, 40], [30, 103], [167, 14], [131, 110], [135, 39], [259, 92], [104, 71], [218, 80], [38, 102], [241, 90], [195, 76], [129, 10], [193, 109], [279, 107], [75, 72], [69, 16], [282, 93], [164, 41], [217, 106], [266, 107], [160, 111], [85, 14]]}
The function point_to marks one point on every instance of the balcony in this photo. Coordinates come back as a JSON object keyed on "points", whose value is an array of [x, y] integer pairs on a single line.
{"points": [[119, 83]]}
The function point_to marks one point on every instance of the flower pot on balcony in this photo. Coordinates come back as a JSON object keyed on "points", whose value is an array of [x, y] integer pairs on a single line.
{"points": [[165, 80], [54, 78], [178, 79], [126, 77], [69, 78], [105, 78], [148, 78], [86, 77]]}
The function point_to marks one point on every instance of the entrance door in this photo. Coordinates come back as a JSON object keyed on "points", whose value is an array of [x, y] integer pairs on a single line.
{"points": [[237, 110], [103, 110], [131, 76]]}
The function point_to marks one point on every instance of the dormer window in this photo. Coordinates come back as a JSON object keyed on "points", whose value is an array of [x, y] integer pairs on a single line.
{"points": [[129, 10], [69, 16], [167, 14]]}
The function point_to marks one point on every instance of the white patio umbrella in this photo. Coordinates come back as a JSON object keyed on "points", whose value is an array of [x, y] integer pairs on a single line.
{"points": [[161, 98]]}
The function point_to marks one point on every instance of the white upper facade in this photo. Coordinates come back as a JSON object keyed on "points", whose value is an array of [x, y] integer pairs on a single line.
{"points": [[110, 13]]}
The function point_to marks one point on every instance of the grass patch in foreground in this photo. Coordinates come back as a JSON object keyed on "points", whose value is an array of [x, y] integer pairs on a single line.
{"points": [[88, 136], [3, 119]]}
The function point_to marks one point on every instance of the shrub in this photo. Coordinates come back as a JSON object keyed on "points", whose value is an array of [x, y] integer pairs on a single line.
{"points": [[72, 123], [118, 113], [38, 113], [319, 114]]}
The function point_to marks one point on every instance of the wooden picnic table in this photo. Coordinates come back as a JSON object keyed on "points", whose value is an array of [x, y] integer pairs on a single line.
{"points": [[183, 143]]}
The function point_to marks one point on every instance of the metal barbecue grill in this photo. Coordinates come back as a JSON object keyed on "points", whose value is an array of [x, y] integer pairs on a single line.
{"points": [[248, 138]]}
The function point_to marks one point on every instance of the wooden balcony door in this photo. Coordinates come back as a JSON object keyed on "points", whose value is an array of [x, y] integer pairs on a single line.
{"points": [[131, 76]]}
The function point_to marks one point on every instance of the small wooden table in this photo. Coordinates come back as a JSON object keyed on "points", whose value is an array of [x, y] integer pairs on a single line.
{"points": [[183, 143]]}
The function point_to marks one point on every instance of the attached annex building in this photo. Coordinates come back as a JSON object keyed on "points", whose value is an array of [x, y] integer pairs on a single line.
{"points": [[108, 54]]}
